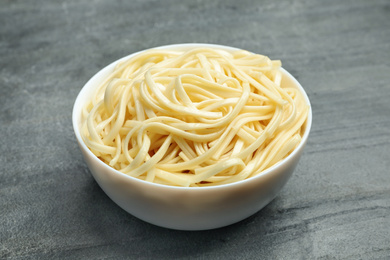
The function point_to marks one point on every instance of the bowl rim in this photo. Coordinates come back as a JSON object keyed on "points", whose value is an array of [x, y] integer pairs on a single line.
{"points": [[79, 101]]}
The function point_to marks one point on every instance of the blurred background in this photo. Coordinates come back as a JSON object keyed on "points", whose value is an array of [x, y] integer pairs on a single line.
{"points": [[336, 205]]}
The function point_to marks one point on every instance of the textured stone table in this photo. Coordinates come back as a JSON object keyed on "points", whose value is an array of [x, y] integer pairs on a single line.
{"points": [[336, 205]]}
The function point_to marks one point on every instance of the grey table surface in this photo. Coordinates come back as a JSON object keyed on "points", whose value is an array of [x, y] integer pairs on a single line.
{"points": [[336, 205]]}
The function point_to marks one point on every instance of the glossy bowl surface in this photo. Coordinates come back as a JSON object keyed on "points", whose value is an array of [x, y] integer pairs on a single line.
{"points": [[193, 208]]}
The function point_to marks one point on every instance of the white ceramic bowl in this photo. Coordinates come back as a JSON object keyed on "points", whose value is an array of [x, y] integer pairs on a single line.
{"points": [[193, 208]]}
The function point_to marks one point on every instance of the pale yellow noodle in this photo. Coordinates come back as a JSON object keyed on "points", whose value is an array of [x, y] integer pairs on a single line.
{"points": [[194, 118]]}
